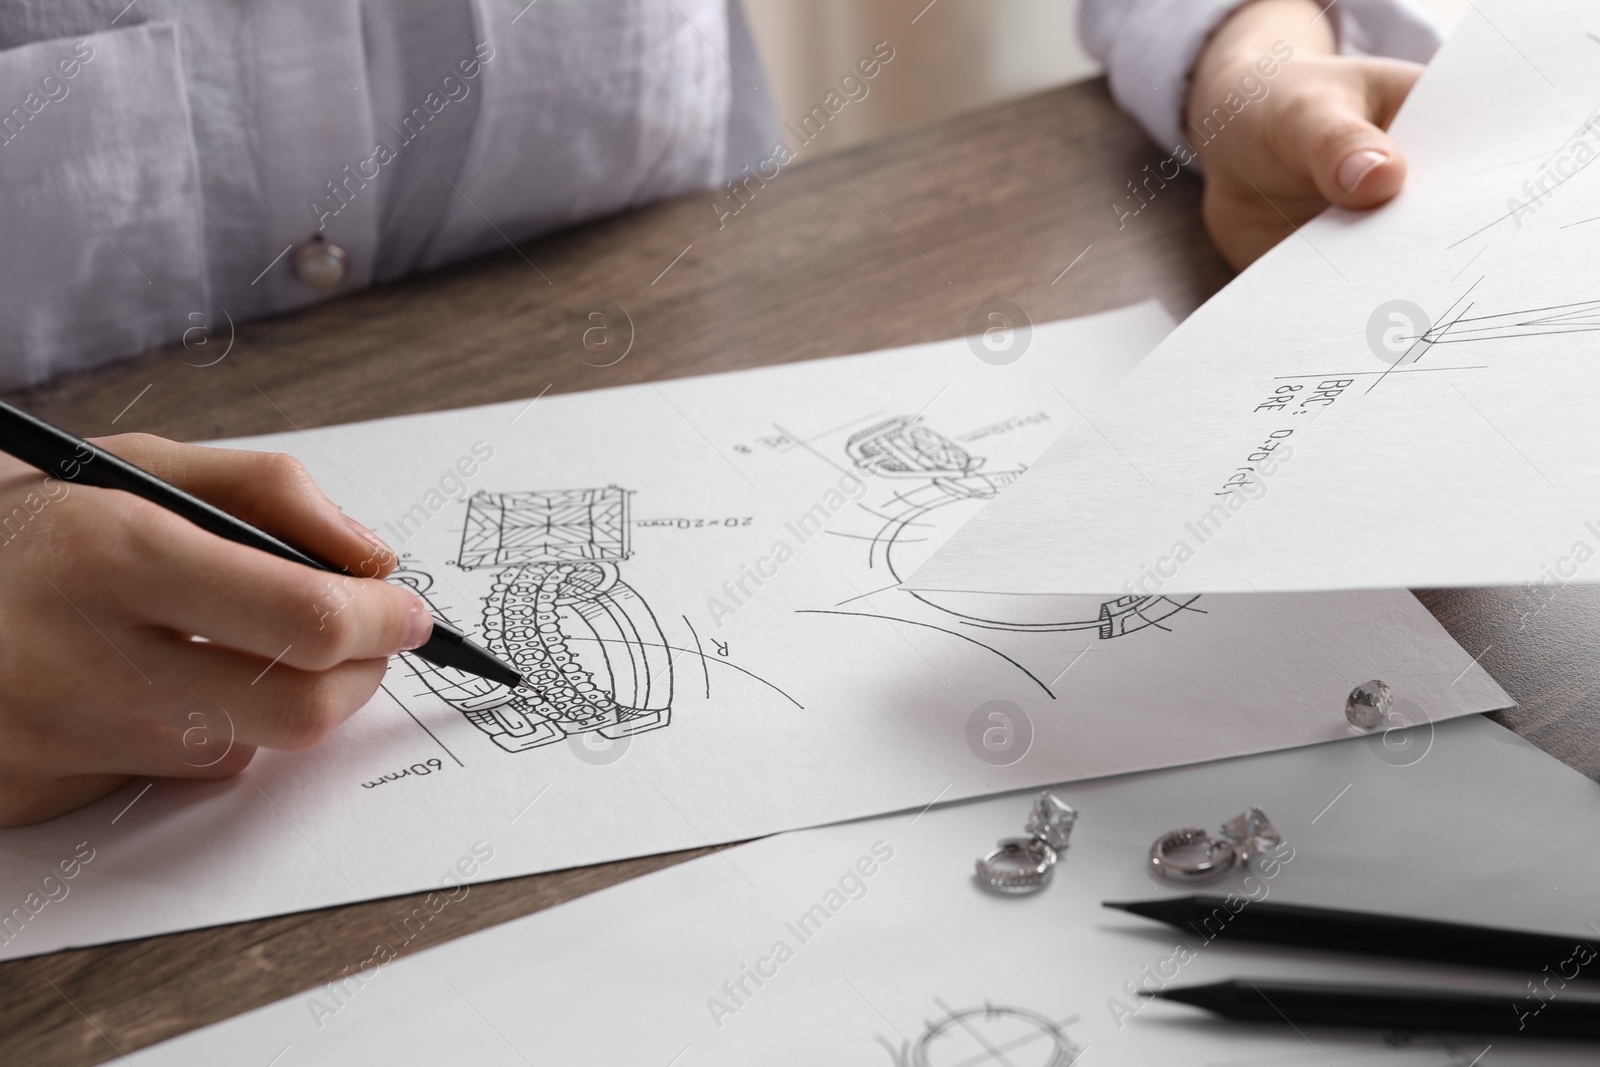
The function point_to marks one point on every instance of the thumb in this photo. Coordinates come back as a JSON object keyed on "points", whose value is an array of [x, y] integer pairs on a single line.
{"points": [[1353, 162]]}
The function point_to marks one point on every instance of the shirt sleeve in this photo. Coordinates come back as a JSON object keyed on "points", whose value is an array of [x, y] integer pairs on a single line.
{"points": [[101, 220], [1149, 47]]}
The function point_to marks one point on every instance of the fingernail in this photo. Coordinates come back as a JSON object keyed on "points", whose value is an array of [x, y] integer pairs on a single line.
{"points": [[1357, 165], [365, 534], [419, 627]]}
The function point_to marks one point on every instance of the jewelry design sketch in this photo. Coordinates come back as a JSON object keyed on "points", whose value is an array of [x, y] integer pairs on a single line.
{"points": [[1458, 325], [987, 1034], [589, 645], [926, 471], [904, 449], [1583, 317]]}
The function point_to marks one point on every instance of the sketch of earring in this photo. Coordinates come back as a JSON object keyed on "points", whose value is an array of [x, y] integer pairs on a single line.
{"points": [[1024, 864], [1191, 854]]}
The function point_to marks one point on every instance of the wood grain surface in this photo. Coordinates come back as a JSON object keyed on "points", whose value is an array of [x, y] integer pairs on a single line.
{"points": [[893, 243]]}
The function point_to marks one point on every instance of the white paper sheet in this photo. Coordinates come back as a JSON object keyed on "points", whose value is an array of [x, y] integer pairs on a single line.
{"points": [[1470, 823], [722, 706], [1429, 372]]}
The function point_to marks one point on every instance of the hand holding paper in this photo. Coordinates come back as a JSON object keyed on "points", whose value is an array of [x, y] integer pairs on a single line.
{"points": [[1431, 366], [1285, 125]]}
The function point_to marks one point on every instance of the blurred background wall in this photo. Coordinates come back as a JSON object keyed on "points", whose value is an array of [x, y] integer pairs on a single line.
{"points": [[950, 56]]}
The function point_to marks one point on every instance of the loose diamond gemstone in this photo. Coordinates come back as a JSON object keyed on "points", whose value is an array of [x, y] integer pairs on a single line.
{"points": [[1368, 704], [1251, 833], [1052, 820]]}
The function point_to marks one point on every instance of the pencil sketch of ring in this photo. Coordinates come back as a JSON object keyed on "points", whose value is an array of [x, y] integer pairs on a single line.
{"points": [[1017, 865], [558, 592], [929, 472], [1191, 854], [558, 609]]}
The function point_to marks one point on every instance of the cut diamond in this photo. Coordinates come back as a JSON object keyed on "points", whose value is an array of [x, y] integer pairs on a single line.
{"points": [[1368, 704], [1052, 820], [1251, 833]]}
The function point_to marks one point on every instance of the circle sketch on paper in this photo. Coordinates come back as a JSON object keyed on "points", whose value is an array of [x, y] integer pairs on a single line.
{"points": [[991, 1035]]}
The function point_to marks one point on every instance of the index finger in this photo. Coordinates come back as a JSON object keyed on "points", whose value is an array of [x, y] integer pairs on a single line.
{"points": [[270, 490], [163, 570]]}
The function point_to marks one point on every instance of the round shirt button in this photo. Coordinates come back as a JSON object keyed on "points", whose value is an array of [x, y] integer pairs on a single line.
{"points": [[320, 265]]}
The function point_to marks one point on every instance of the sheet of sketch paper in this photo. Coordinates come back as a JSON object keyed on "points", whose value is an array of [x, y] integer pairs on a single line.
{"points": [[1401, 399], [697, 577], [870, 943]]}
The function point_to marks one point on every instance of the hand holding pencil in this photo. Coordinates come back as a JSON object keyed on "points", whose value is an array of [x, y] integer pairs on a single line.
{"points": [[132, 642]]}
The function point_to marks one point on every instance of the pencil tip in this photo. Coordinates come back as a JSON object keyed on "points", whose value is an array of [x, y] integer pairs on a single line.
{"points": [[1149, 909]]}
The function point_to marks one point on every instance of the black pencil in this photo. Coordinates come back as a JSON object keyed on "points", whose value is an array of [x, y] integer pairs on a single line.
{"points": [[1302, 1004], [1367, 933], [70, 458]]}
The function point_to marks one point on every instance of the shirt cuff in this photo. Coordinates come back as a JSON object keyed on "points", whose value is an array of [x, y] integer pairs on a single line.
{"points": [[1397, 29]]}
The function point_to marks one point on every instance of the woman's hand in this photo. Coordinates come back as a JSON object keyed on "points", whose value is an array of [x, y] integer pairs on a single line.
{"points": [[1316, 138], [134, 643]]}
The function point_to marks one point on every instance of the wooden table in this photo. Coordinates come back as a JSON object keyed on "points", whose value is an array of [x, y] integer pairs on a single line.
{"points": [[893, 243]]}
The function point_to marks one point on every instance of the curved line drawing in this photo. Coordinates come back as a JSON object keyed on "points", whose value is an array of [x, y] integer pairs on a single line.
{"points": [[1114, 615], [875, 540], [699, 651], [941, 629], [721, 663], [889, 518], [989, 1032], [904, 448]]}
